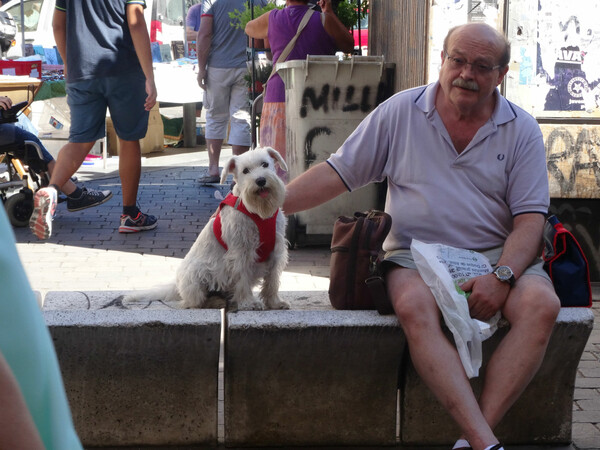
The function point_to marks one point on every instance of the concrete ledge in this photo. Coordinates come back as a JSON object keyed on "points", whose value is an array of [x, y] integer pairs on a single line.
{"points": [[542, 415], [309, 378], [148, 376], [140, 377]]}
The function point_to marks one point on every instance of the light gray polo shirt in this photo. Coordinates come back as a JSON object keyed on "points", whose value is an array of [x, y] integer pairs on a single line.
{"points": [[228, 46], [436, 195]]}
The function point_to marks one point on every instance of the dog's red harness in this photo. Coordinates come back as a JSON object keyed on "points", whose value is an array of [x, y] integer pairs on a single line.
{"points": [[266, 227]]}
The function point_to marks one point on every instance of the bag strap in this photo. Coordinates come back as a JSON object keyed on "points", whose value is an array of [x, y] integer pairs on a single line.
{"points": [[288, 48]]}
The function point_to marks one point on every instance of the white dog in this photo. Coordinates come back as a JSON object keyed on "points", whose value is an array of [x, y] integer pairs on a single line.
{"points": [[230, 255]]}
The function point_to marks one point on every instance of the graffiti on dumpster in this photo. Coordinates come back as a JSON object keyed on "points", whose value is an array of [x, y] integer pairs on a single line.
{"points": [[353, 99], [573, 157]]}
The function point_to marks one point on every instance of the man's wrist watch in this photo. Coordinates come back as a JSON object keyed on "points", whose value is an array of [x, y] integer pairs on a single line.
{"points": [[505, 274]]}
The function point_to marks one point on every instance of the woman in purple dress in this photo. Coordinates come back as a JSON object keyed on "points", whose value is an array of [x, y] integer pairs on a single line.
{"points": [[323, 35]]}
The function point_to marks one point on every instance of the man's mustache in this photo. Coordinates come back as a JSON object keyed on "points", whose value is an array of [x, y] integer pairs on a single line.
{"points": [[471, 85]]}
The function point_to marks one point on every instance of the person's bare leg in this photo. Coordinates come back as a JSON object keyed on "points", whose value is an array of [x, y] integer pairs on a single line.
{"points": [[214, 153], [239, 149], [69, 187], [531, 310], [130, 170], [434, 357], [69, 160]]}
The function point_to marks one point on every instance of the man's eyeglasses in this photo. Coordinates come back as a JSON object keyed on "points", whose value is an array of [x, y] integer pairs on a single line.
{"points": [[459, 63]]}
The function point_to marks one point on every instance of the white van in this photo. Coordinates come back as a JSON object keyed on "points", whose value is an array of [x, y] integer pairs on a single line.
{"points": [[37, 15], [163, 17]]}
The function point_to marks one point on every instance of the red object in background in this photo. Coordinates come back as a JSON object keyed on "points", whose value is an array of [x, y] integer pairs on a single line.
{"points": [[258, 87], [156, 31], [28, 68], [364, 37], [361, 37]]}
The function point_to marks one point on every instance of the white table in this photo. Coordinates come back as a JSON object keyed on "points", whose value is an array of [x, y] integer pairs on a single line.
{"points": [[179, 84]]}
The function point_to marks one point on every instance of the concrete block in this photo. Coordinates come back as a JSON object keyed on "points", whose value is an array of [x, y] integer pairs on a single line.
{"points": [[145, 377], [310, 378], [542, 415]]}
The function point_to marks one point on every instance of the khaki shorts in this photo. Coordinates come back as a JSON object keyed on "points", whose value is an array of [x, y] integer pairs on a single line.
{"points": [[403, 258]]}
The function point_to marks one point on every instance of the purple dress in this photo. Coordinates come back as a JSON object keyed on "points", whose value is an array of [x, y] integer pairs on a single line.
{"points": [[314, 40]]}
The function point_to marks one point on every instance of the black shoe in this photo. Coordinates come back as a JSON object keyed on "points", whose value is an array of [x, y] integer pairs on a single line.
{"points": [[88, 199]]}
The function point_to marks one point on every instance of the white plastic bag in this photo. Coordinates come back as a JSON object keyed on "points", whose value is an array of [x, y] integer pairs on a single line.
{"points": [[444, 268]]}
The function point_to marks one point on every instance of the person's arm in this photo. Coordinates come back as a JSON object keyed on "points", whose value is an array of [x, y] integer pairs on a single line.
{"points": [[17, 429], [259, 27], [334, 27], [203, 43], [190, 34], [317, 185], [141, 42], [59, 28], [522, 246]]}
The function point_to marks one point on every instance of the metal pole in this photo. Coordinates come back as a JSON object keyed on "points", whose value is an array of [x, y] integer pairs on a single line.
{"points": [[22, 29], [185, 41]]}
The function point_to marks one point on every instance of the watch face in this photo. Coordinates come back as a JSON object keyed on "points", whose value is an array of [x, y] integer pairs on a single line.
{"points": [[503, 272]]}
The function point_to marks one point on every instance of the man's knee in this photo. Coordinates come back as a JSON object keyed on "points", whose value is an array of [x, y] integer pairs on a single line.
{"points": [[412, 300], [533, 301]]}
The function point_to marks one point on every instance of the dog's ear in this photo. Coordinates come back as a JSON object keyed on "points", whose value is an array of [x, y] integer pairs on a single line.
{"points": [[229, 167], [277, 157]]}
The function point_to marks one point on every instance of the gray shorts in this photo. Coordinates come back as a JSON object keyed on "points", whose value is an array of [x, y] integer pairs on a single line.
{"points": [[403, 258]]}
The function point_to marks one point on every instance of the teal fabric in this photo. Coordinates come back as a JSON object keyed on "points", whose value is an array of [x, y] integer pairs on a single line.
{"points": [[26, 345], [51, 89]]}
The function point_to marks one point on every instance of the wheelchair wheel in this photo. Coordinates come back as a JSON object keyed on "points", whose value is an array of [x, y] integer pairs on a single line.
{"points": [[18, 209]]}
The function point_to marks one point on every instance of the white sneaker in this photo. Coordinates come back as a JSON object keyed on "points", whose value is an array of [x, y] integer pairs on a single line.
{"points": [[44, 206]]}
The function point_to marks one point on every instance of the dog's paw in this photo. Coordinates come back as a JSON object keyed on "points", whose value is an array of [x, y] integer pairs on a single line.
{"points": [[276, 303], [247, 305]]}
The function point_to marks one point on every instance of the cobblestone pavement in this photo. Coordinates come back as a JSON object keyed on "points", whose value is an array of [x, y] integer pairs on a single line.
{"points": [[86, 252]]}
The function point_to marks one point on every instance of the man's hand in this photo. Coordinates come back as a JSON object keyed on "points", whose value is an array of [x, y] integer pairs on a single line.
{"points": [[202, 78], [151, 95], [5, 102], [488, 295]]}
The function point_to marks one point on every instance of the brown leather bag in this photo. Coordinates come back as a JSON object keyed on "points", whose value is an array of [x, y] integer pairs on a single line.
{"points": [[355, 280]]}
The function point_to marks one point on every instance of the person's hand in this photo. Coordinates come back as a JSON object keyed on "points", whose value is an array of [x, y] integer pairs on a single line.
{"points": [[5, 102], [487, 295], [325, 6], [202, 78], [151, 95]]}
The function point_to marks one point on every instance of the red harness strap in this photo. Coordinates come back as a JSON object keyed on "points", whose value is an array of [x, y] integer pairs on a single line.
{"points": [[266, 227]]}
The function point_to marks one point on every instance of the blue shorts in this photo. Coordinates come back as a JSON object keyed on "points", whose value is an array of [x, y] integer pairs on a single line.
{"points": [[124, 96]]}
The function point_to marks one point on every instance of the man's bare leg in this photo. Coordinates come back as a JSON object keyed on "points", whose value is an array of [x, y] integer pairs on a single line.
{"points": [[434, 357], [214, 153], [531, 310], [69, 160], [239, 149], [130, 170]]}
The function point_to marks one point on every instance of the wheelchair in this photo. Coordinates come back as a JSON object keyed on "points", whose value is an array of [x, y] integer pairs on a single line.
{"points": [[23, 170]]}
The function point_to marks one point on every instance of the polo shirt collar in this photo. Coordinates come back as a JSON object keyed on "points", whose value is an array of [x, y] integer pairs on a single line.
{"points": [[503, 112]]}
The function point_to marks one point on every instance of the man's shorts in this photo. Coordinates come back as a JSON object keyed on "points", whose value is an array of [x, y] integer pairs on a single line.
{"points": [[225, 101], [123, 95], [403, 258]]}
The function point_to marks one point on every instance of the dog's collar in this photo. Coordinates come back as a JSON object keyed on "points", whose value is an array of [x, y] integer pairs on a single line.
{"points": [[266, 227]]}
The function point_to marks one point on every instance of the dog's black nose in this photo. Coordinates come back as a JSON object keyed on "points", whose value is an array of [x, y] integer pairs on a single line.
{"points": [[261, 181]]}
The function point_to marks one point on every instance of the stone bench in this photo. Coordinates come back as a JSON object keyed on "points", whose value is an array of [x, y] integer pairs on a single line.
{"points": [[291, 378], [146, 377]]}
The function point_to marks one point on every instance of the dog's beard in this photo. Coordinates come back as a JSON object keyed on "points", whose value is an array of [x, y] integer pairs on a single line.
{"points": [[265, 201]]}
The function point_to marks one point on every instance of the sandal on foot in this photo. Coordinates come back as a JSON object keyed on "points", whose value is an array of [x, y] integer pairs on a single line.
{"points": [[208, 179]]}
